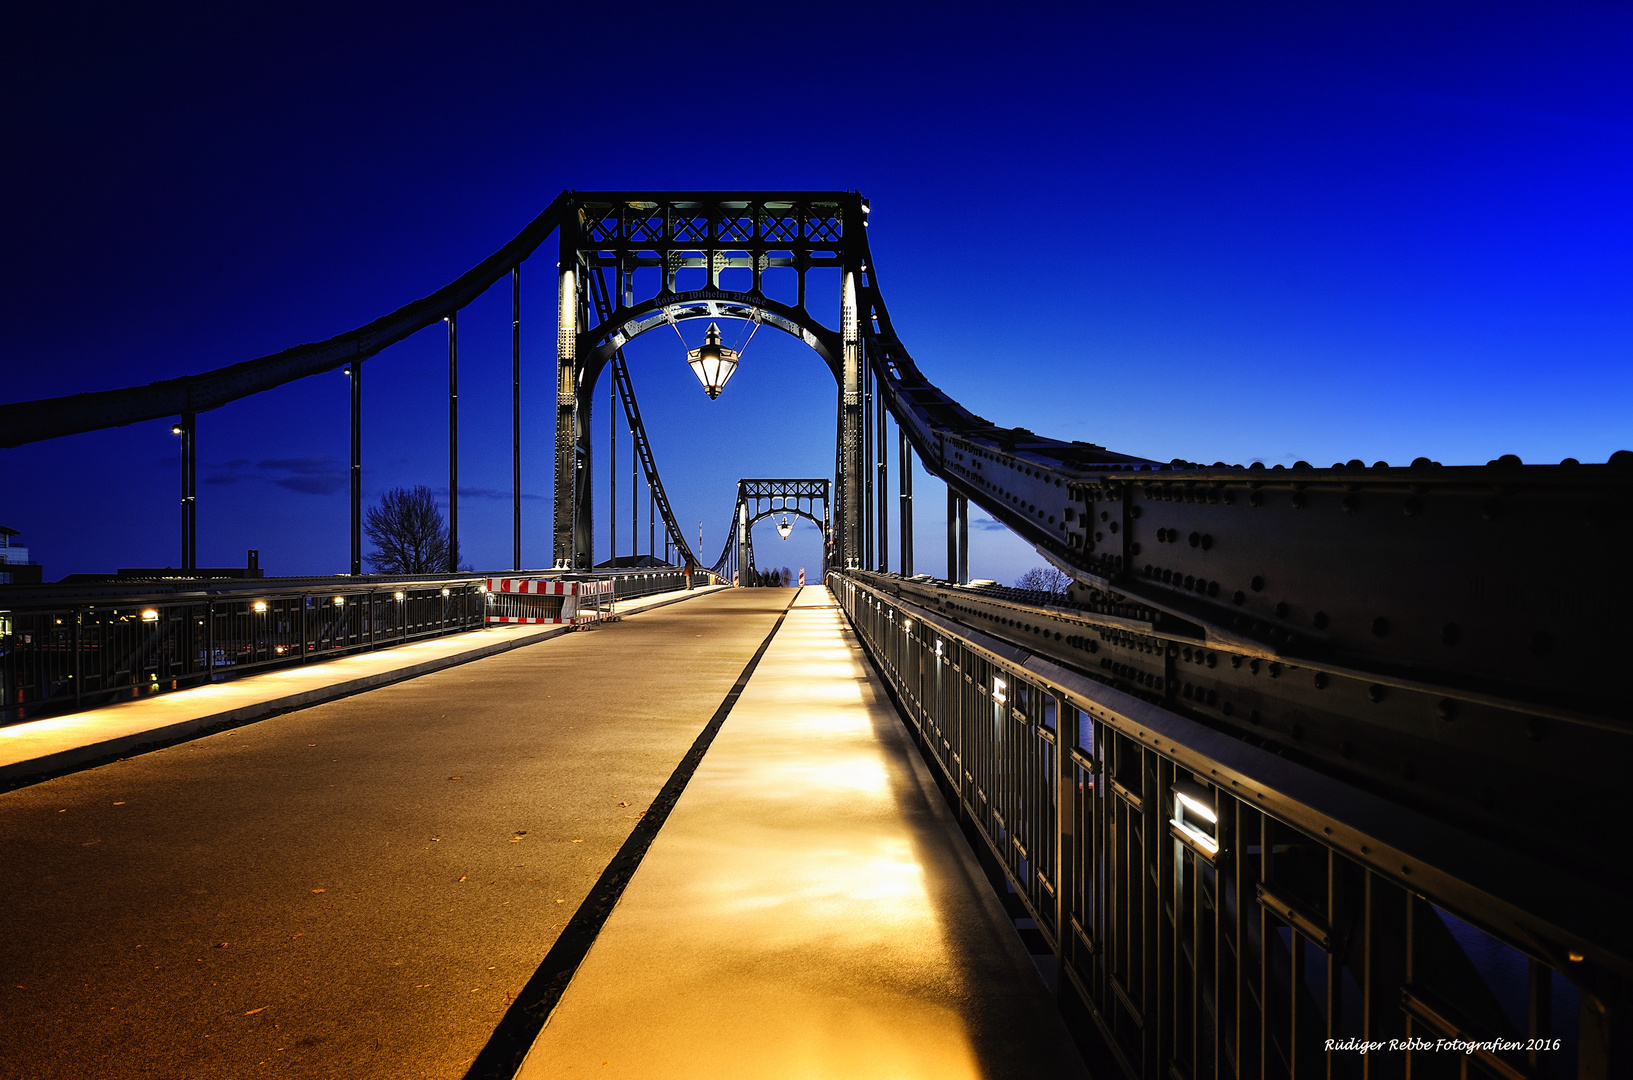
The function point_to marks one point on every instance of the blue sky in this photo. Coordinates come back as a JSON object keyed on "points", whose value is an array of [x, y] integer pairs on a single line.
{"points": [[1221, 233]]}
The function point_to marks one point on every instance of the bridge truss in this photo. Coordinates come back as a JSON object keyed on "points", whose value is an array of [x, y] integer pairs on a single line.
{"points": [[759, 499], [1426, 648]]}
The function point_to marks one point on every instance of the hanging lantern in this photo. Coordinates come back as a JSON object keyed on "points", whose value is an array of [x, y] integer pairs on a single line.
{"points": [[784, 527], [713, 363]]}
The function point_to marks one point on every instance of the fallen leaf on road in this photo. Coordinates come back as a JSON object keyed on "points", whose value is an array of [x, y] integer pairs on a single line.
{"points": [[456, 778], [263, 1008], [292, 937], [578, 841], [561, 901], [223, 945], [121, 802], [320, 890], [461, 877], [622, 803]]}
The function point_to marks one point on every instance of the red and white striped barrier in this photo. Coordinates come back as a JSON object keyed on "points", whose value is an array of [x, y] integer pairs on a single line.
{"points": [[558, 602]]}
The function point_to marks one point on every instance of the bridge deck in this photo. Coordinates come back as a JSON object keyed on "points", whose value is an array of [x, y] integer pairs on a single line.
{"points": [[808, 909], [57, 744]]}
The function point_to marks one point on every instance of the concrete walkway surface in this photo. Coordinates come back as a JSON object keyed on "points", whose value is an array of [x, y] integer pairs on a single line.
{"points": [[809, 909], [54, 744]]}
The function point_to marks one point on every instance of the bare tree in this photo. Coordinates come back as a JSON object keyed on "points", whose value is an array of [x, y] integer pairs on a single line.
{"points": [[1047, 579], [408, 533]]}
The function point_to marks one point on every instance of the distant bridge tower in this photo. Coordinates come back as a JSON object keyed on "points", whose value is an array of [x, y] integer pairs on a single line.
{"points": [[606, 237]]}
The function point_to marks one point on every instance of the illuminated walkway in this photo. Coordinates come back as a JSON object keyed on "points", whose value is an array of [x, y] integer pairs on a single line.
{"points": [[808, 910], [59, 743]]}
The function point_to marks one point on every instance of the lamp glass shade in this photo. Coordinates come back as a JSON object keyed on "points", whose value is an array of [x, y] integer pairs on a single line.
{"points": [[712, 363], [784, 527]]}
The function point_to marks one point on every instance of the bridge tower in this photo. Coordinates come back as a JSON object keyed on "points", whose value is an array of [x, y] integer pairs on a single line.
{"points": [[606, 237]]}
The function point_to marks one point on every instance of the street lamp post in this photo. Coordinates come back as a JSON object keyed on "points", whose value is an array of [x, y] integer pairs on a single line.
{"points": [[189, 490]]}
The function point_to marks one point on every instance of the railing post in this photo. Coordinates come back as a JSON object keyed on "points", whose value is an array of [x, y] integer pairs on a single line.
{"points": [[79, 616]]}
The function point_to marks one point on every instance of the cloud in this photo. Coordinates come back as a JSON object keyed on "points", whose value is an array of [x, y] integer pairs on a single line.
{"points": [[313, 485], [496, 494], [322, 475]]}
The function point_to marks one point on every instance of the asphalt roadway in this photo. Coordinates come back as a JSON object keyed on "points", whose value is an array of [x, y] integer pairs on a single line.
{"points": [[358, 889]]}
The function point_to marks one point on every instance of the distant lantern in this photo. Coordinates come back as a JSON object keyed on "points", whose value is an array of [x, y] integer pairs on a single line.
{"points": [[784, 527], [713, 363]]}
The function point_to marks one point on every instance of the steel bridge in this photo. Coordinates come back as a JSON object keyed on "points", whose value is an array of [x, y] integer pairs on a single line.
{"points": [[1303, 754]]}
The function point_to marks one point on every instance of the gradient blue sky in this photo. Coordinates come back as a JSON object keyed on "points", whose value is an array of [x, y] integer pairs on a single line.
{"points": [[1220, 232]]}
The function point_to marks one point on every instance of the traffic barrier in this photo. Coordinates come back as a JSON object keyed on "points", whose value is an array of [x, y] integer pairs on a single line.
{"points": [[539, 601]]}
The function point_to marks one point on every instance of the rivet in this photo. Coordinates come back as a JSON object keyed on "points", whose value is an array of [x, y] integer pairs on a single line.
{"points": [[1446, 709], [1257, 584], [1380, 627], [1451, 634], [1375, 693]]}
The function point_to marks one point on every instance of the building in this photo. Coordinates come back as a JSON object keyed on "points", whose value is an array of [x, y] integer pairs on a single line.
{"points": [[15, 566]]}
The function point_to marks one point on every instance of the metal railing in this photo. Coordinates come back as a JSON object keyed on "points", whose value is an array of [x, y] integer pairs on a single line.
{"points": [[75, 647], [65, 648], [1217, 911]]}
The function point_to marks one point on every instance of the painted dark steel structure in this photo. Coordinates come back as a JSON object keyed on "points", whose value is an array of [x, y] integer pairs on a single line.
{"points": [[1218, 908], [1395, 688], [760, 498]]}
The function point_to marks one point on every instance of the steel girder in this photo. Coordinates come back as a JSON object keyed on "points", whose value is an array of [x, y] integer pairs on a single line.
{"points": [[31, 421]]}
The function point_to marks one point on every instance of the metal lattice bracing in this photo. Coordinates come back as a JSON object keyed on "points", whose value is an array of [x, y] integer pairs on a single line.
{"points": [[758, 499], [622, 234]]}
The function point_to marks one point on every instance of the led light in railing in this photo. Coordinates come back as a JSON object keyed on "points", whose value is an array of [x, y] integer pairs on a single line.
{"points": [[907, 626], [938, 647], [998, 688], [340, 601], [1197, 836], [1197, 807], [398, 596], [149, 615], [259, 606], [444, 592]]}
